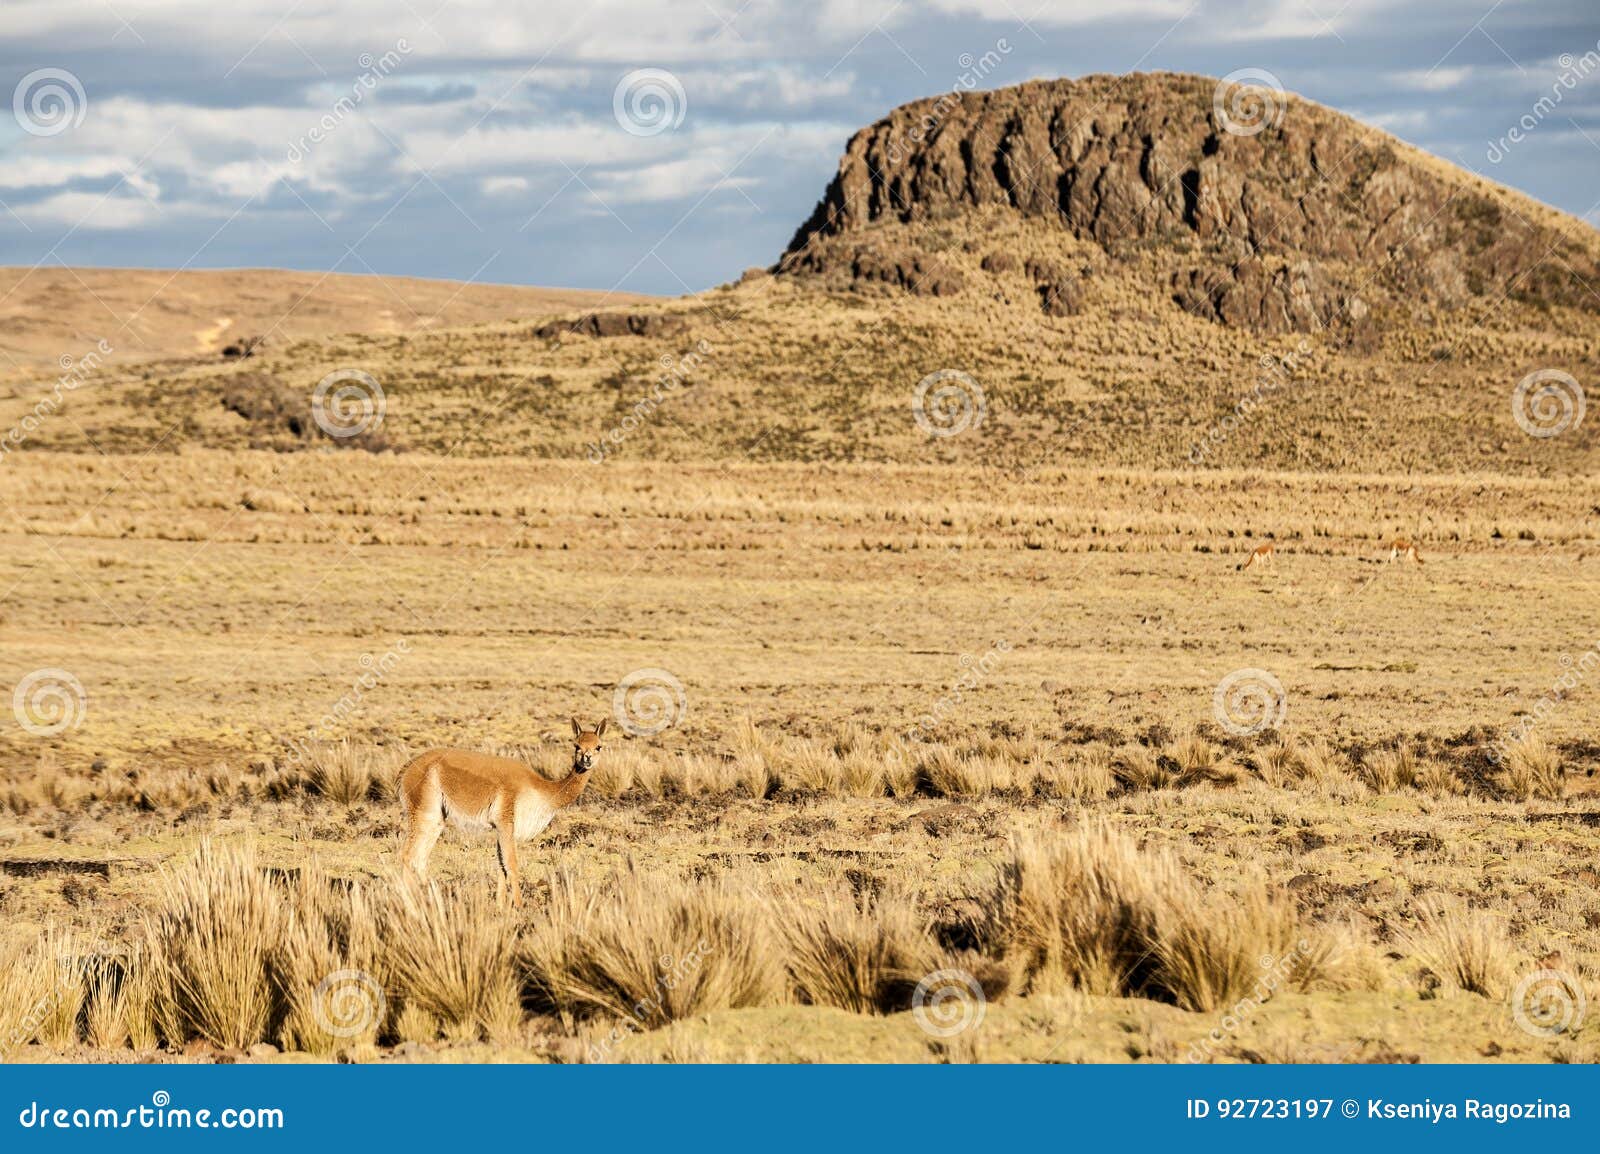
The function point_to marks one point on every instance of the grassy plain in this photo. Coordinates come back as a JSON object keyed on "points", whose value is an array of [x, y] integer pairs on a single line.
{"points": [[890, 674]]}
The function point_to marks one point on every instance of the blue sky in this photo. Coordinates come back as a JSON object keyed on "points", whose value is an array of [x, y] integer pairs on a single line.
{"points": [[480, 139]]}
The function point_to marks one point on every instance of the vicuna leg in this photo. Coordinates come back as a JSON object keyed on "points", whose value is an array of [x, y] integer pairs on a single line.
{"points": [[420, 799], [425, 832], [509, 881]]}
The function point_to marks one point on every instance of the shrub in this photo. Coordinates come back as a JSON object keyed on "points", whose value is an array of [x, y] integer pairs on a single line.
{"points": [[1091, 911], [650, 949], [1532, 769], [211, 937], [450, 953], [865, 956], [1462, 949]]}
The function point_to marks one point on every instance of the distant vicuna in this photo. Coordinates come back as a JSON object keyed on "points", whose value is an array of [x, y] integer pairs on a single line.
{"points": [[478, 791], [1401, 548], [1260, 557]]}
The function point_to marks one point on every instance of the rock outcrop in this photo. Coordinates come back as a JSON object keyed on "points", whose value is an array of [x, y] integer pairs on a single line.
{"points": [[1294, 219]]}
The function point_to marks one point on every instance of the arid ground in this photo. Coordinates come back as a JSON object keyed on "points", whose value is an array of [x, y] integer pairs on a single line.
{"points": [[945, 722], [896, 684]]}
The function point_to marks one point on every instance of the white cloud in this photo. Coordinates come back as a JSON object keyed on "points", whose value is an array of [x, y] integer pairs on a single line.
{"points": [[1432, 80], [503, 185], [90, 210]]}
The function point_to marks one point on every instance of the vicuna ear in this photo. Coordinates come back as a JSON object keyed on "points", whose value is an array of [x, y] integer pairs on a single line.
{"points": [[577, 730], [601, 728]]}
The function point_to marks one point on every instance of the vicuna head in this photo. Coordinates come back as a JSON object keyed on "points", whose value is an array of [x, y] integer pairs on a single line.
{"points": [[586, 743]]}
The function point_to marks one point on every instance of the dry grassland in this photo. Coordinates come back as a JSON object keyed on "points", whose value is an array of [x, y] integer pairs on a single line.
{"points": [[933, 719]]}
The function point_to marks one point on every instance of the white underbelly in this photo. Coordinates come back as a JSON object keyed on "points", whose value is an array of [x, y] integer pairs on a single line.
{"points": [[532, 819], [468, 820]]}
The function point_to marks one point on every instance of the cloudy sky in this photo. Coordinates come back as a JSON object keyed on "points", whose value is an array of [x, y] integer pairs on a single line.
{"points": [[660, 147]]}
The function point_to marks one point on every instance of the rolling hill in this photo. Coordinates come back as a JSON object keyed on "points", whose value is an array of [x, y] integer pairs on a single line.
{"points": [[1143, 271]]}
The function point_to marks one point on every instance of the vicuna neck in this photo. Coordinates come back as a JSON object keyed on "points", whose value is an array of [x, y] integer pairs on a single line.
{"points": [[572, 787]]}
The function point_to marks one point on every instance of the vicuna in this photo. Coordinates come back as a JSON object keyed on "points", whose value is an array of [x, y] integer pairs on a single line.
{"points": [[478, 791]]}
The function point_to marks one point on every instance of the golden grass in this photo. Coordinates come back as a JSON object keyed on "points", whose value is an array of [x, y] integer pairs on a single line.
{"points": [[211, 937], [1090, 911], [1532, 769], [650, 949], [1461, 948], [863, 954], [816, 618], [329, 938], [350, 773], [451, 954]]}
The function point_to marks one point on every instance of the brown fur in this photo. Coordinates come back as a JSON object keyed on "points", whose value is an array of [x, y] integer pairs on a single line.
{"points": [[479, 790], [1260, 556], [1400, 547]]}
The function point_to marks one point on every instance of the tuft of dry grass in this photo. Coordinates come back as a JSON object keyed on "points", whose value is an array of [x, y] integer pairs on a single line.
{"points": [[1085, 774], [1388, 770], [1091, 911], [450, 952], [120, 1002], [1436, 779], [211, 937], [1213, 948], [1137, 767], [329, 966], [1532, 769], [1461, 948], [348, 773], [864, 955], [651, 948]]}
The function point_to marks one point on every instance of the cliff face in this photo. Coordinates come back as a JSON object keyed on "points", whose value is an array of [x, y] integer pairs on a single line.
{"points": [[1258, 208]]}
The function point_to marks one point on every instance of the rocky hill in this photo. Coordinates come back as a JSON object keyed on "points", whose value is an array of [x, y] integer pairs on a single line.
{"points": [[1252, 207], [1136, 273]]}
